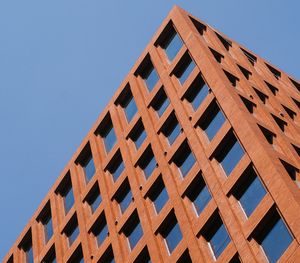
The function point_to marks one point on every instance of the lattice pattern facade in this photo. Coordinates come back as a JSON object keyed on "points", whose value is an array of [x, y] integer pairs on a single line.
{"points": [[195, 159]]}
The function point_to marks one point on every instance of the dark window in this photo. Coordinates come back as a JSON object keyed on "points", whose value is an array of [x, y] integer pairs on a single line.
{"points": [[77, 256], [46, 220], [275, 72], [270, 136], [250, 106], [171, 232], [129, 105], [185, 68], [296, 102], [252, 59], [185, 258], [26, 246], [281, 123], [273, 230], [199, 26], [124, 196], [150, 76], [66, 191], [198, 194], [233, 79], [197, 92], [11, 259], [173, 44], [138, 134], [263, 97], [184, 159], [245, 72], [94, 198], [71, 230], [216, 235], [158, 194], [230, 154], [147, 163], [218, 57], [249, 191], [171, 129], [225, 42], [89, 168], [100, 230], [273, 89], [292, 171], [291, 113], [116, 166], [108, 135], [212, 120], [143, 257], [108, 256], [160, 102], [133, 230], [296, 84], [50, 256]]}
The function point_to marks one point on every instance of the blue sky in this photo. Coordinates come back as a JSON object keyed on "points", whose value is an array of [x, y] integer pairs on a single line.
{"points": [[61, 62]]}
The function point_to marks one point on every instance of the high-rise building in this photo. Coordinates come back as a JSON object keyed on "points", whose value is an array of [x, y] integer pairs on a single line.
{"points": [[195, 159]]}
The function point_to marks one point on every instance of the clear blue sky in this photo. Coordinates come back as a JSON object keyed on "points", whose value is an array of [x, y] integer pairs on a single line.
{"points": [[61, 62]]}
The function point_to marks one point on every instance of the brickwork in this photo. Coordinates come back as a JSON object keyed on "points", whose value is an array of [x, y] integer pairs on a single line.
{"points": [[260, 105]]}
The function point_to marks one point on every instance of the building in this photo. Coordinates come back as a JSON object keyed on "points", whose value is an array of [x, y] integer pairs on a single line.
{"points": [[195, 159]]}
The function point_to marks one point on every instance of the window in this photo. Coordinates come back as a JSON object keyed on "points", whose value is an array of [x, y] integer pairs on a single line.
{"points": [[71, 230], [292, 171], [212, 120], [26, 247], [272, 230], [185, 258], [133, 230], [149, 75], [250, 106], [88, 166], [77, 256], [296, 84], [251, 58], [173, 44], [100, 230], [199, 26], [171, 129], [147, 163], [218, 57], [124, 196], [225, 42], [185, 68], [116, 166], [108, 256], [65, 190], [107, 132], [138, 134], [275, 72], [249, 191], [46, 219], [94, 198], [281, 123], [296, 102], [143, 257], [184, 159], [273, 89], [270, 136], [245, 72], [50, 256], [158, 195], [231, 153], [198, 194], [263, 97], [171, 232], [290, 112], [160, 102], [233, 79], [216, 235], [128, 104], [197, 92]]}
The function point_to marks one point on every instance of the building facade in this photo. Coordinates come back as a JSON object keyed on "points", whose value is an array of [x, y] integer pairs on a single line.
{"points": [[195, 159]]}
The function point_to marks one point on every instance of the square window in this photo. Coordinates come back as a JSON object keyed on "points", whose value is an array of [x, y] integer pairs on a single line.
{"points": [[212, 120], [85, 160], [185, 257], [108, 256], [129, 107], [77, 256], [197, 92], [230, 154], [66, 192], [149, 74], [160, 102], [71, 230], [50, 256], [147, 163], [116, 166], [138, 134], [249, 191], [107, 132], [26, 247], [171, 129], [172, 44], [94, 198], [273, 229], [100, 230], [143, 257], [124, 196], [184, 159], [158, 194], [185, 68], [133, 230], [46, 219], [171, 232], [198, 194], [216, 235]]}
